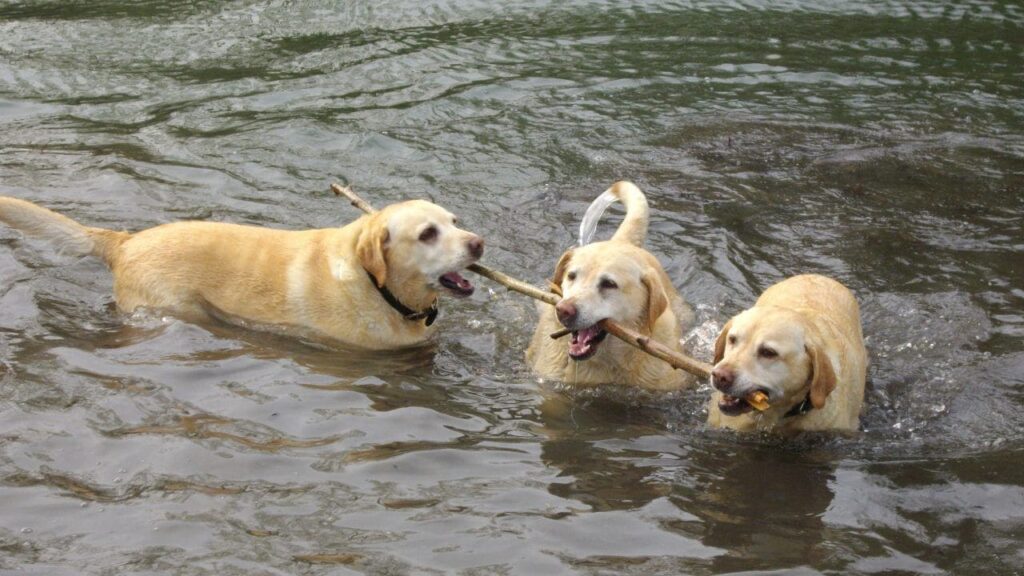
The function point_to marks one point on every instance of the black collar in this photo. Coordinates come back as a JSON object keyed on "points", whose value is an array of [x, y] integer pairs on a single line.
{"points": [[430, 314], [801, 408]]}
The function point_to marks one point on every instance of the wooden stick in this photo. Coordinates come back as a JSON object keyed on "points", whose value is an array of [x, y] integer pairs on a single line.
{"points": [[560, 333], [631, 337], [354, 198], [657, 349], [513, 284]]}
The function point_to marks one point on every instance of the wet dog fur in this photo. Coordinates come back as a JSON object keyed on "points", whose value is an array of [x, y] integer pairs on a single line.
{"points": [[314, 281], [618, 280], [800, 342]]}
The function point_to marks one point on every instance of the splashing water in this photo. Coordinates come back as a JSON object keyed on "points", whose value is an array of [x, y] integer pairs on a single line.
{"points": [[597, 208]]}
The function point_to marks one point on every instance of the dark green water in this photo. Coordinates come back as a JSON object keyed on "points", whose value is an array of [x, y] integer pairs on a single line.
{"points": [[881, 143]]}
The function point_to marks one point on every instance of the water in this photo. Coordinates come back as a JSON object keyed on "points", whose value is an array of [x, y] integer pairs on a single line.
{"points": [[878, 142]]}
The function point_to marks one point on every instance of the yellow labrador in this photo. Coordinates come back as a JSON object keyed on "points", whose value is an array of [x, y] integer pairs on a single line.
{"points": [[616, 280], [801, 345], [372, 283]]}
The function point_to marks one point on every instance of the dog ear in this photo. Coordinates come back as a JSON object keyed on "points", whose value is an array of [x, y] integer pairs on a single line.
{"points": [[370, 248], [657, 299], [823, 377], [560, 268], [720, 342]]}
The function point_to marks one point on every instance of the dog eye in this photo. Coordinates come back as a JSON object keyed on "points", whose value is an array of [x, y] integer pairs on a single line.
{"points": [[429, 234], [765, 352], [608, 284], [732, 340], [571, 276]]}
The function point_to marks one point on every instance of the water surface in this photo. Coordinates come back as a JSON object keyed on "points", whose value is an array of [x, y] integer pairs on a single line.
{"points": [[880, 143]]}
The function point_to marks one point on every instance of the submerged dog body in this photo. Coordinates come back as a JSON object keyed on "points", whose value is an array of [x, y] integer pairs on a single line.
{"points": [[801, 345], [616, 280], [322, 281]]}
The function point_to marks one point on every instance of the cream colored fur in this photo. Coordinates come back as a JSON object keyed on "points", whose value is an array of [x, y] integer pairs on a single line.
{"points": [[644, 299], [813, 325], [313, 281]]}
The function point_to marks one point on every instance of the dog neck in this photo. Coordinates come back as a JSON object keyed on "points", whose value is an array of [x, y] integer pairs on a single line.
{"points": [[801, 408], [427, 314]]}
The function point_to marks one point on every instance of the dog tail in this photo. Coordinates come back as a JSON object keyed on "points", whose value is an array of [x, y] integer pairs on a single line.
{"points": [[69, 236], [633, 229]]}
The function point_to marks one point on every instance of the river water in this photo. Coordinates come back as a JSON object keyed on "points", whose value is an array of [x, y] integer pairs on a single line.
{"points": [[881, 143]]}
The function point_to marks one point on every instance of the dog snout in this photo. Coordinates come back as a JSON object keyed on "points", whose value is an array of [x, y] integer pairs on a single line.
{"points": [[475, 246], [566, 312], [723, 378]]}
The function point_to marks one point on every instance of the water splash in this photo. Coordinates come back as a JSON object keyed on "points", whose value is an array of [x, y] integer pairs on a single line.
{"points": [[597, 208]]}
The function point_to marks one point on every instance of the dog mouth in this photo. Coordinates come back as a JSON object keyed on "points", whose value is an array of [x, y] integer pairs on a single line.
{"points": [[584, 342], [735, 406], [456, 284]]}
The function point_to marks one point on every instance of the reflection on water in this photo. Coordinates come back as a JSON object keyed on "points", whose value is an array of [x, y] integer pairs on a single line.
{"points": [[879, 143]]}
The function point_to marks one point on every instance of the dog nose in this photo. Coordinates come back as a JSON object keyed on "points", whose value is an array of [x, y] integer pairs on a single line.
{"points": [[566, 312], [723, 378], [476, 246]]}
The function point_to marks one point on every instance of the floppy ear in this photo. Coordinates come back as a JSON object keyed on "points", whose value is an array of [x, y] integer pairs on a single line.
{"points": [[370, 248], [720, 342], [657, 300], [560, 268], [823, 377]]}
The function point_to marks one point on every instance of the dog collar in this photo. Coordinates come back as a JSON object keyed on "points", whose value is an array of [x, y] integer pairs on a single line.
{"points": [[801, 408], [430, 314]]}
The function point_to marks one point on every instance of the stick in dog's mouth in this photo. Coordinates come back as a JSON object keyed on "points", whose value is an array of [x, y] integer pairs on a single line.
{"points": [[584, 342], [734, 406], [676, 360]]}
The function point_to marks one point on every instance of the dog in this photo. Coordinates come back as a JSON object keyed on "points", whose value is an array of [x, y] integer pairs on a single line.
{"points": [[801, 345], [372, 284], [616, 280]]}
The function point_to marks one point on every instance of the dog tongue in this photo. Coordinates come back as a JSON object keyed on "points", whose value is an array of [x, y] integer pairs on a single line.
{"points": [[582, 340], [457, 284]]}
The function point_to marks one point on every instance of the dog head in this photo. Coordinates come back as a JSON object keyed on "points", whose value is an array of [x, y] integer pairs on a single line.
{"points": [[418, 243], [771, 350], [607, 280]]}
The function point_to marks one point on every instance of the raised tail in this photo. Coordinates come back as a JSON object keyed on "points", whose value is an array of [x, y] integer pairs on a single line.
{"points": [[633, 228], [68, 235]]}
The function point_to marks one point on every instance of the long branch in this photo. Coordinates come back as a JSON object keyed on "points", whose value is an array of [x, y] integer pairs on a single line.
{"points": [[631, 337]]}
